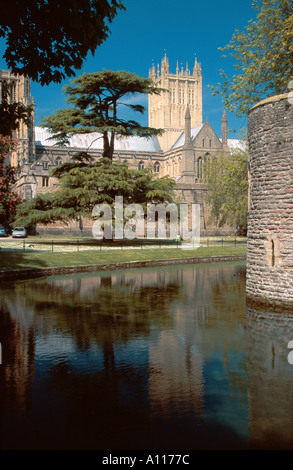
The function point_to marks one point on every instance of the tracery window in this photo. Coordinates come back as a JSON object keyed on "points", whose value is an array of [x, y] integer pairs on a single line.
{"points": [[157, 167]]}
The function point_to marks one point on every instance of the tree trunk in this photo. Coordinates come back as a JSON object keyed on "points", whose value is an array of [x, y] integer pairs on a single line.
{"points": [[108, 149]]}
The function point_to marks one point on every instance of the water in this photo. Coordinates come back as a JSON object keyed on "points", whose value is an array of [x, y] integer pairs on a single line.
{"points": [[165, 358]]}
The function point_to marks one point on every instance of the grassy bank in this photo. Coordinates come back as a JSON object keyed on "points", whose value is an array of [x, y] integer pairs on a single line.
{"points": [[21, 260]]}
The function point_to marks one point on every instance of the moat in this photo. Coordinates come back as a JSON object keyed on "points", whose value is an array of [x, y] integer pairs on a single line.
{"points": [[156, 358]]}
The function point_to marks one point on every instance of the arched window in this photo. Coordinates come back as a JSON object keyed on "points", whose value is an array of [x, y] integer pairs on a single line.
{"points": [[206, 168], [58, 161], [199, 168], [45, 181], [141, 165], [174, 167], [157, 167], [179, 165]]}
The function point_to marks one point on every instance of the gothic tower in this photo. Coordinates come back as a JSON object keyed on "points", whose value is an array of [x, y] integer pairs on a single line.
{"points": [[168, 110], [20, 87]]}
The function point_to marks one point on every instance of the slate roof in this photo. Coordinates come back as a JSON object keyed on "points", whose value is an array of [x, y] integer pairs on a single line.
{"points": [[95, 142], [180, 141]]}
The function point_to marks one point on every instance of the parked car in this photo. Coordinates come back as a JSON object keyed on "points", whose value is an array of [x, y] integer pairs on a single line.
{"points": [[4, 231], [19, 232]]}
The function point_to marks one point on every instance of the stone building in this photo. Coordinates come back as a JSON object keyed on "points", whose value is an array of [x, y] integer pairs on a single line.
{"points": [[270, 221], [20, 91], [180, 153], [167, 110]]}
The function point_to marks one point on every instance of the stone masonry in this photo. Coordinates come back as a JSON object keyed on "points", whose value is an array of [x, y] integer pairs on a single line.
{"points": [[270, 221]]}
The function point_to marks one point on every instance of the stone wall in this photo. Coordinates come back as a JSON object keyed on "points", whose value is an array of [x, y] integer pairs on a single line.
{"points": [[270, 221]]}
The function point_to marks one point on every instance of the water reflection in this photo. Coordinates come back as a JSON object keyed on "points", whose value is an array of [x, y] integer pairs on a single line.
{"points": [[145, 359], [270, 376]]}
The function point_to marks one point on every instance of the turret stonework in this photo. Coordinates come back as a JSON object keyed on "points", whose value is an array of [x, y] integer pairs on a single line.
{"points": [[167, 110], [270, 221]]}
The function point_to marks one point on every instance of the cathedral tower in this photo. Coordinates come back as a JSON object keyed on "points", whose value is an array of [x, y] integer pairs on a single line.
{"points": [[168, 110], [20, 87]]}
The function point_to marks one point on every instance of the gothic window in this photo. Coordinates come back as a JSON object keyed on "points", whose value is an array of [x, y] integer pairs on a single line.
{"points": [[13, 92], [45, 165], [199, 168], [203, 142], [141, 165], [174, 168], [210, 143], [157, 167], [58, 161], [179, 165], [172, 96], [45, 181]]}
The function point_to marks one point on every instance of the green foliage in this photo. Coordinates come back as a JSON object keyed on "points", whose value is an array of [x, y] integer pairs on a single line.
{"points": [[12, 113], [8, 175], [227, 177], [82, 185], [263, 56], [48, 39], [95, 98]]}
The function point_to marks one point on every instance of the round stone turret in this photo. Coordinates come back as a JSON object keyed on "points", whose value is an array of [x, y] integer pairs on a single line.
{"points": [[270, 220]]}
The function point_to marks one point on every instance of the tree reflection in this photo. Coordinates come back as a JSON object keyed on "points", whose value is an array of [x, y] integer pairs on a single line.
{"points": [[107, 314]]}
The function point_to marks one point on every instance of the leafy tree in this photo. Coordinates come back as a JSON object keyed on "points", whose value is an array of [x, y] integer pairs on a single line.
{"points": [[263, 56], [227, 195], [95, 98], [12, 113], [82, 185], [48, 39], [8, 175]]}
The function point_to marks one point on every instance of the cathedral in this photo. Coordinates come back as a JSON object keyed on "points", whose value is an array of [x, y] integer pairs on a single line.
{"points": [[180, 152]]}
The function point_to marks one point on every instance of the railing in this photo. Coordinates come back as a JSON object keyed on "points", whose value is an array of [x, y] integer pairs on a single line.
{"points": [[76, 245]]}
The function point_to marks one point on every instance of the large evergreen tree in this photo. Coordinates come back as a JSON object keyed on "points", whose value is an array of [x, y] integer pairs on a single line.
{"points": [[263, 55], [83, 184], [95, 98]]}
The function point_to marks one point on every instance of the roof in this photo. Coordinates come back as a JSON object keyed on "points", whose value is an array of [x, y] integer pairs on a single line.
{"points": [[181, 140], [236, 144], [94, 141], [232, 143]]}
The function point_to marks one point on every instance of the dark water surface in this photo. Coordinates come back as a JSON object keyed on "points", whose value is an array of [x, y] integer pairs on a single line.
{"points": [[164, 358]]}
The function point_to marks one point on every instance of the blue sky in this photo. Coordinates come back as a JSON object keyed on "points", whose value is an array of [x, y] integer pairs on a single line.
{"points": [[146, 30]]}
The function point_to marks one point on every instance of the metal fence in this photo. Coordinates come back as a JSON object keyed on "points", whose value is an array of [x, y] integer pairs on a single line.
{"points": [[88, 244]]}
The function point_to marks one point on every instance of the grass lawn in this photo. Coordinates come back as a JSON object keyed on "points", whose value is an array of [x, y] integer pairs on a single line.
{"points": [[38, 259]]}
